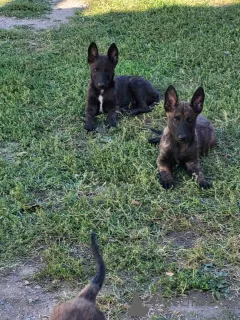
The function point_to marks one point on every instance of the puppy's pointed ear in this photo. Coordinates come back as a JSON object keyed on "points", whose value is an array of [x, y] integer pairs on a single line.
{"points": [[171, 99], [92, 52], [198, 100], [113, 53]]}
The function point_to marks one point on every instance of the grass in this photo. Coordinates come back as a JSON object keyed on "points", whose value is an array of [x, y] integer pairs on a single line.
{"points": [[206, 278], [24, 8], [58, 183]]}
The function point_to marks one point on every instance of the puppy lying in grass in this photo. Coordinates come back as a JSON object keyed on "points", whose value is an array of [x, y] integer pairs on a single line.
{"points": [[84, 307], [109, 94], [187, 136]]}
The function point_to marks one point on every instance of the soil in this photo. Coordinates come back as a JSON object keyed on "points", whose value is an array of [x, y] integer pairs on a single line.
{"points": [[23, 298], [8, 151], [182, 239], [194, 306], [62, 10]]}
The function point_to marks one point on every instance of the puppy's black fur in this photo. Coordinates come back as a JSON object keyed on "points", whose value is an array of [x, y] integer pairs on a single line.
{"points": [[108, 94]]}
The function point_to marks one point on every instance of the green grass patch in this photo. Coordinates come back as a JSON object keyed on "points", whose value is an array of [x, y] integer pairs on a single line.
{"points": [[24, 8], [204, 279], [59, 183]]}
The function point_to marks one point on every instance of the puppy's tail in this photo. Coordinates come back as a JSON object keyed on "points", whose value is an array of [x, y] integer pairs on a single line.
{"points": [[155, 140], [90, 291], [156, 131], [101, 271]]}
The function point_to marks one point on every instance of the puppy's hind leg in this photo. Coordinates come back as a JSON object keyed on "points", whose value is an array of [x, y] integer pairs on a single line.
{"points": [[142, 108], [139, 92]]}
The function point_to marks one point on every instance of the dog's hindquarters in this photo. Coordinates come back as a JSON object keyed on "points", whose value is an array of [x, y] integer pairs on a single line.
{"points": [[206, 134], [123, 92], [135, 94], [145, 95]]}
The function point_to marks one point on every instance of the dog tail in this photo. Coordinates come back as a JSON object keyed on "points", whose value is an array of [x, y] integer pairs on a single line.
{"points": [[90, 291], [154, 140], [156, 131], [100, 275]]}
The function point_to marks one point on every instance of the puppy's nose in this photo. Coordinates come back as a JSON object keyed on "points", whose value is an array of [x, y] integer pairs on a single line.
{"points": [[182, 137], [101, 86]]}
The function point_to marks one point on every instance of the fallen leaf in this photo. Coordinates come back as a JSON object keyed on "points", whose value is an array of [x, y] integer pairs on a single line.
{"points": [[20, 154], [170, 274], [136, 203], [31, 207]]}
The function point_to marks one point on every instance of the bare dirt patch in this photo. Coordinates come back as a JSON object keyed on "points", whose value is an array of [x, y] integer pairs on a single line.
{"points": [[22, 298], [182, 239], [199, 305], [194, 306], [61, 12], [8, 151]]}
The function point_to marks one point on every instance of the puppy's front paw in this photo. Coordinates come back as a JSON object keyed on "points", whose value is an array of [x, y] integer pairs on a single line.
{"points": [[167, 184], [90, 127], [166, 181], [204, 184], [112, 123]]}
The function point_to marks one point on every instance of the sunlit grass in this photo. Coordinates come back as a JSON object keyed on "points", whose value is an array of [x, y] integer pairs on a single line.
{"points": [[24, 8], [3, 2], [105, 6]]}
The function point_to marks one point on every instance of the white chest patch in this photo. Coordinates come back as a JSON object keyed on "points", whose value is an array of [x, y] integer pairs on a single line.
{"points": [[100, 99]]}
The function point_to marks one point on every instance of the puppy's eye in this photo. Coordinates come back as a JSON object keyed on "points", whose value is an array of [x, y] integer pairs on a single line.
{"points": [[95, 70], [177, 118], [189, 120]]}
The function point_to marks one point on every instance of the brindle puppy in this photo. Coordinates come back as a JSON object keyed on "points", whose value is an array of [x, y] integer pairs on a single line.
{"points": [[187, 136], [84, 307]]}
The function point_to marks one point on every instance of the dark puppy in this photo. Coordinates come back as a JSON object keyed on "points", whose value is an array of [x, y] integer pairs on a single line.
{"points": [[108, 94], [84, 307], [187, 136]]}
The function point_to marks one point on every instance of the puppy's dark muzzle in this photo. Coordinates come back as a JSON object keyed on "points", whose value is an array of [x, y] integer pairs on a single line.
{"points": [[101, 86], [182, 138]]}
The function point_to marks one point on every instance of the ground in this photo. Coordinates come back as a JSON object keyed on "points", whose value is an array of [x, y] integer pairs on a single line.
{"points": [[176, 252], [60, 12], [22, 297]]}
